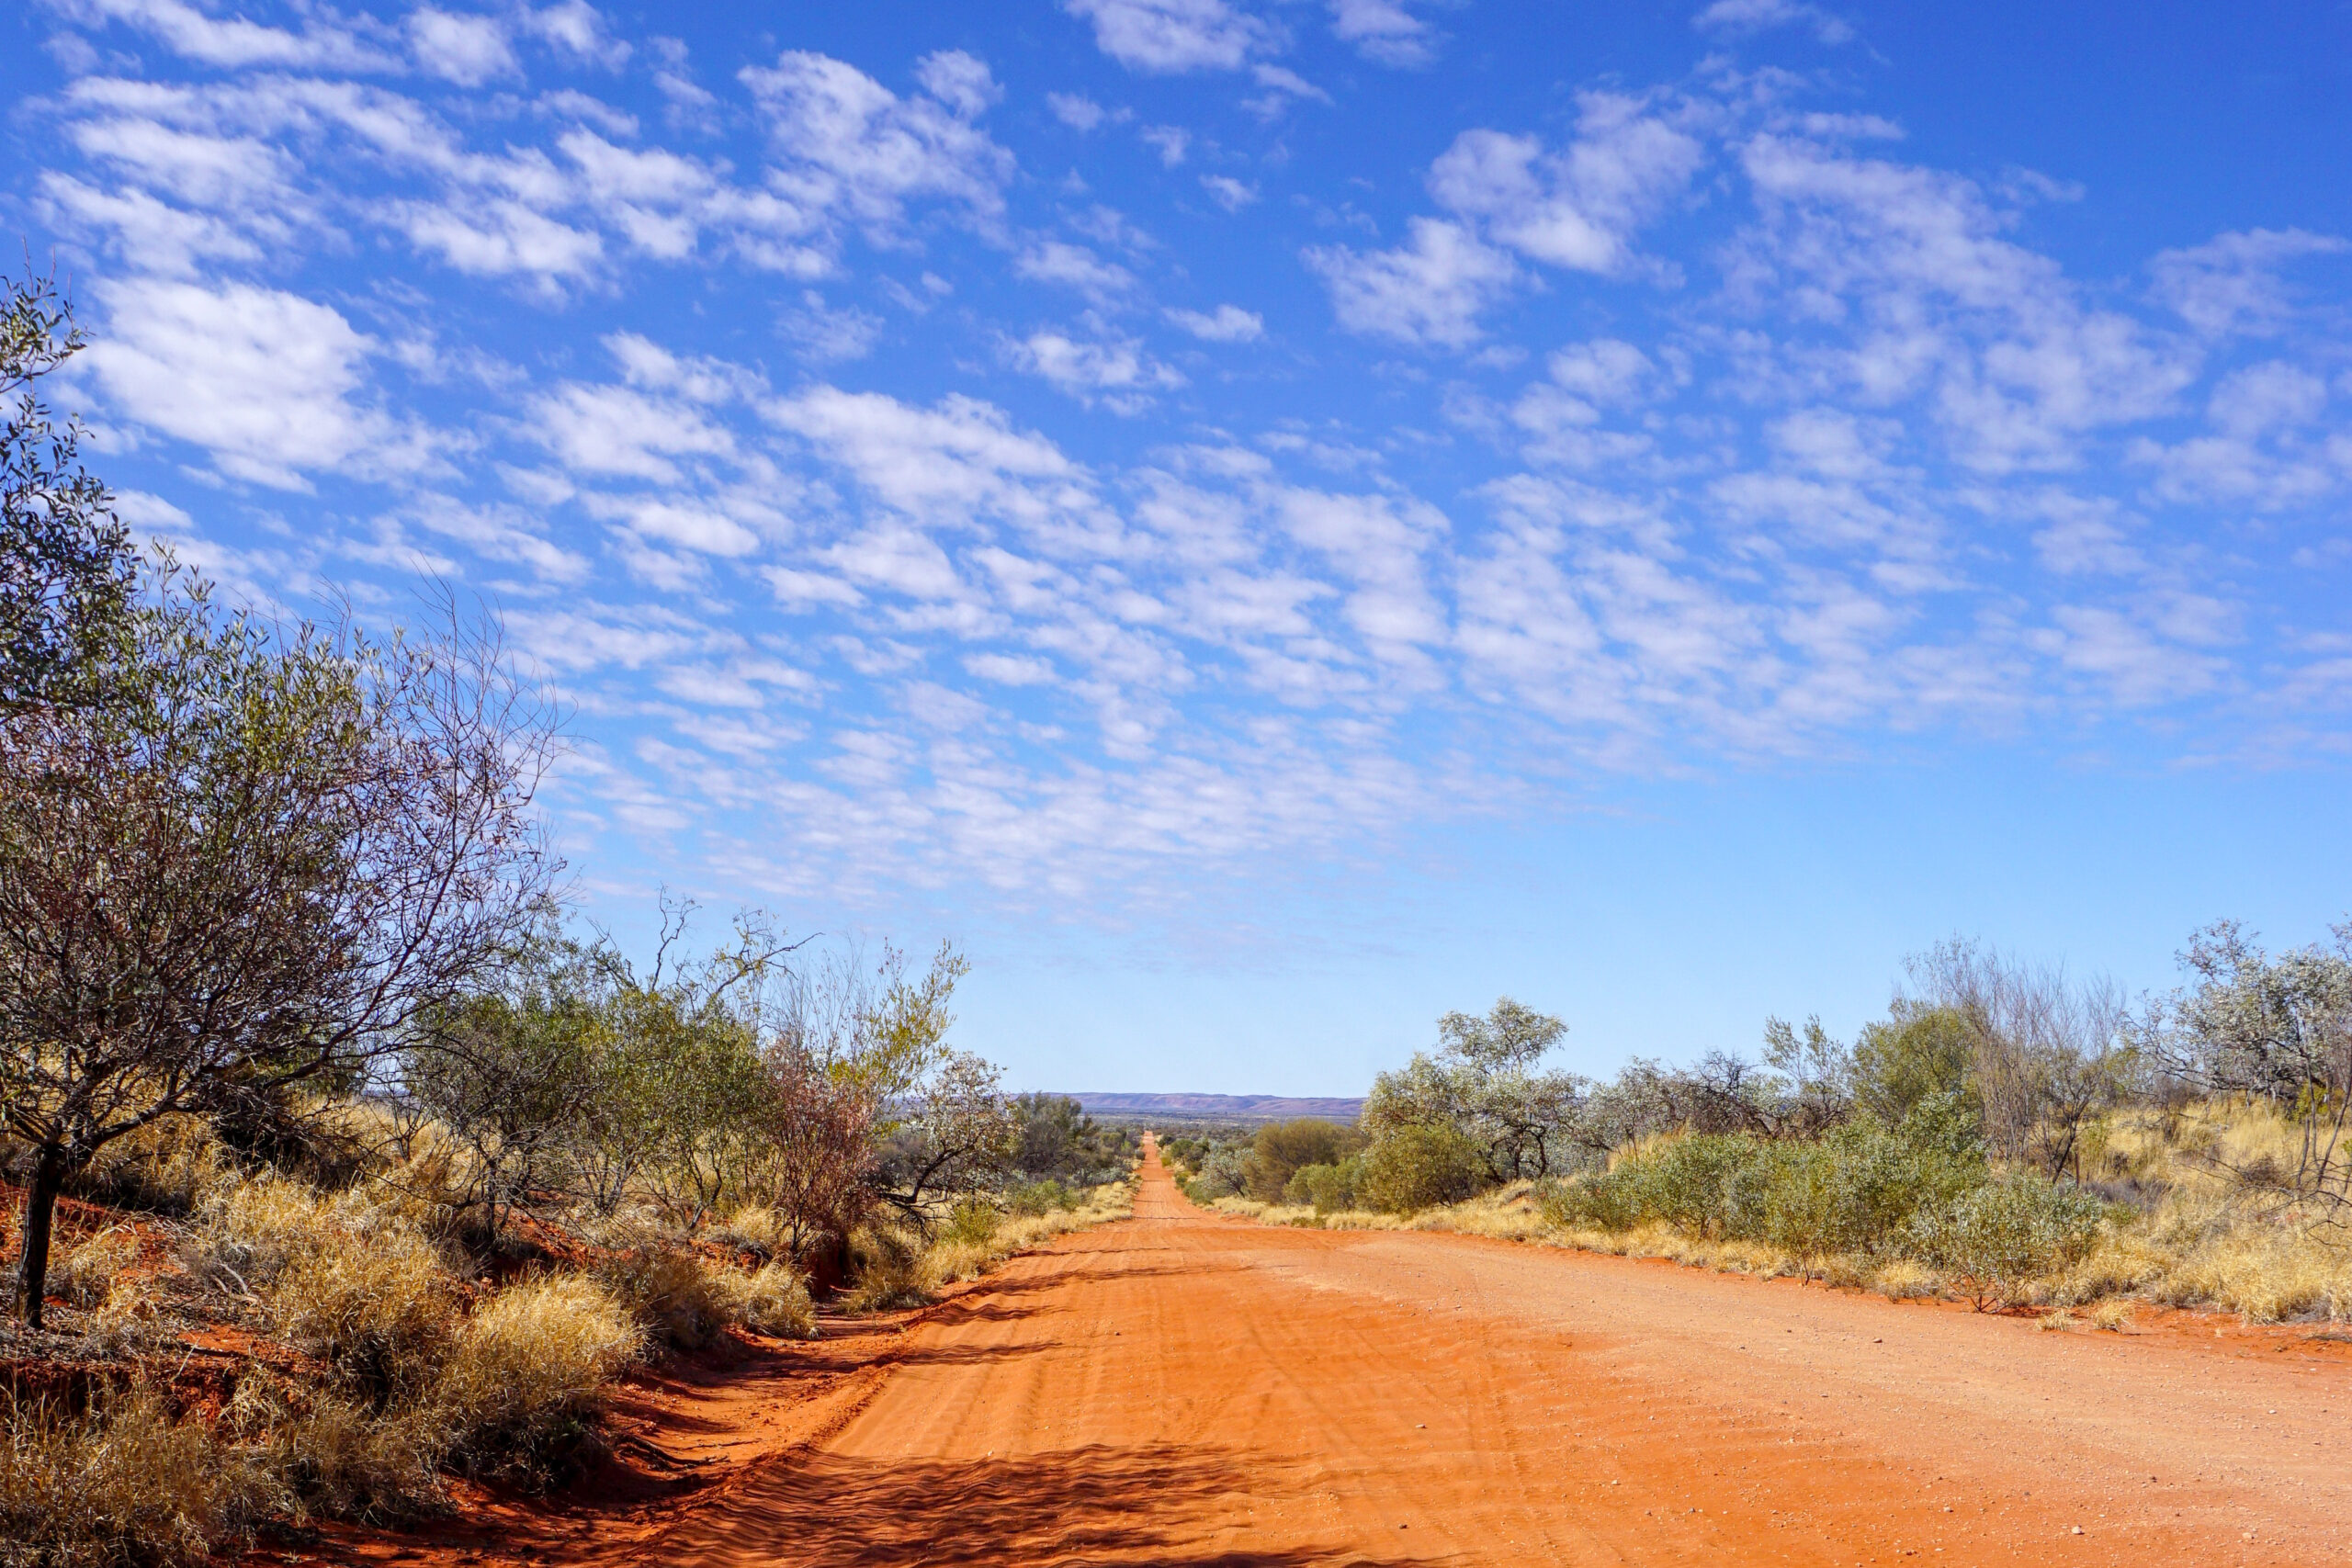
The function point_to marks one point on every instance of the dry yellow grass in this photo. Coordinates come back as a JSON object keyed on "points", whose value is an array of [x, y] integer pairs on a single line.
{"points": [[675, 1294], [776, 1303], [378, 1309], [529, 1368], [334, 1457], [85, 1275], [123, 1482], [903, 1272]]}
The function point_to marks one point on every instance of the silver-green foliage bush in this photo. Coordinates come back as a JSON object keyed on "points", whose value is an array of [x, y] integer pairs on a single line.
{"points": [[1995, 1237], [1859, 1189]]}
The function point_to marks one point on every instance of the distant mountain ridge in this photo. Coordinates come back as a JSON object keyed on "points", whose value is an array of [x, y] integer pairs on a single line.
{"points": [[1221, 1107]]}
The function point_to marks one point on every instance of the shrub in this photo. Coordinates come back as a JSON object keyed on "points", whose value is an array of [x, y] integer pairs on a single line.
{"points": [[1219, 1175], [122, 1481], [1030, 1198], [1993, 1238], [1280, 1149], [1330, 1187], [890, 1271], [776, 1303], [755, 1228], [377, 1309], [971, 1223], [672, 1292], [1419, 1167], [164, 1167], [336, 1458], [1854, 1191], [528, 1370]]}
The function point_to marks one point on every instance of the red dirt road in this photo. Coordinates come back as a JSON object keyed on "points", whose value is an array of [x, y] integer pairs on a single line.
{"points": [[1187, 1388]]}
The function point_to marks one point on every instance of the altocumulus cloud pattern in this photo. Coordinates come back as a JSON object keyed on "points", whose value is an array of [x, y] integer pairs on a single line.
{"points": [[1144, 436]]}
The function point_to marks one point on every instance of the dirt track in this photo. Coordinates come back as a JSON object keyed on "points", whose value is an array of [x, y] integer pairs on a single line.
{"points": [[1189, 1389]]}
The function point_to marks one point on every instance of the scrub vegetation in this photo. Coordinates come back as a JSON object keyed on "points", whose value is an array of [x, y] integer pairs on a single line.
{"points": [[2004, 1135], [343, 1162]]}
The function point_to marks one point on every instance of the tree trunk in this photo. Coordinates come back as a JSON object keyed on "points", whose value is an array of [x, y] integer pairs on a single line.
{"points": [[40, 1205]]}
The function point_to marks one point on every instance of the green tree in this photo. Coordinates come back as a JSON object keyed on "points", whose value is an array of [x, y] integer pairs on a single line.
{"points": [[1483, 1083], [1914, 1053], [68, 573], [1280, 1149], [511, 1068]]}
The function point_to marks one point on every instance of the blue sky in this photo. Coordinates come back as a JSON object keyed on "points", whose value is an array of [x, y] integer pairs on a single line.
{"points": [[1270, 522]]}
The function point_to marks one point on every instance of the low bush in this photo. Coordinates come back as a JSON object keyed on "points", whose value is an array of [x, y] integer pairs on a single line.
{"points": [[676, 1296], [889, 1269], [122, 1481], [1279, 1150], [1856, 1191], [971, 1223], [378, 1309], [85, 1275], [1992, 1240], [335, 1457], [776, 1303], [165, 1168], [1039, 1198], [1217, 1173], [1328, 1189], [528, 1371], [1413, 1167]]}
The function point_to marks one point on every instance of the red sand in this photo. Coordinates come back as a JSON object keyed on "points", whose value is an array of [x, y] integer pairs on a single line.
{"points": [[1183, 1388]]}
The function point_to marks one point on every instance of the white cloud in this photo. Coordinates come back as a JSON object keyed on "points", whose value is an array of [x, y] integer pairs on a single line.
{"points": [[624, 432], [578, 28], [1578, 207], [1756, 16], [150, 234], [960, 81], [1007, 670], [1075, 110], [945, 464], [495, 238], [1227, 323], [2231, 284], [265, 381], [1429, 291], [1384, 30], [465, 50], [1172, 36], [1228, 193], [700, 525], [1169, 142], [235, 43], [845, 143], [1903, 280], [1072, 267], [1282, 85], [500, 534], [826, 335], [1114, 370]]}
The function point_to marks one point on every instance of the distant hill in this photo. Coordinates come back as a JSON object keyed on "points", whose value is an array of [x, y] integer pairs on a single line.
{"points": [[1218, 1107]]}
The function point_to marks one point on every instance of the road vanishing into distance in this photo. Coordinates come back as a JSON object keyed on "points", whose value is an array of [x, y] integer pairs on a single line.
{"points": [[1184, 1388]]}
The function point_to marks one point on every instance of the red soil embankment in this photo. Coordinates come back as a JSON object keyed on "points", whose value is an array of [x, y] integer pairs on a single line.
{"points": [[1188, 1388]]}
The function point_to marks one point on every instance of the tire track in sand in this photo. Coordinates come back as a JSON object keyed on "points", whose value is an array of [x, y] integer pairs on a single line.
{"points": [[1183, 1388]]}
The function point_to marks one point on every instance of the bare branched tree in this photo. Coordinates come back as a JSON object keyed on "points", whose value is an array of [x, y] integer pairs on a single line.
{"points": [[2044, 1052], [818, 1135], [249, 871]]}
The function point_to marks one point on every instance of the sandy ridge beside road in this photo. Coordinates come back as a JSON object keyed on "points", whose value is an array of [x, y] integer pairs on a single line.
{"points": [[1189, 1389]]}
